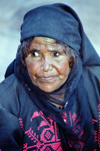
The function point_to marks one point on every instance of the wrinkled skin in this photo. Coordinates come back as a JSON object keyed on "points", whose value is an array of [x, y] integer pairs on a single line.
{"points": [[47, 64]]}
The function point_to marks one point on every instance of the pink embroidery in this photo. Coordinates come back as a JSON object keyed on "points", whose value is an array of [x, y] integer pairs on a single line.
{"points": [[78, 130], [30, 133], [75, 119], [45, 137], [21, 124], [99, 126], [55, 146], [94, 121], [45, 140], [97, 133], [36, 114]]}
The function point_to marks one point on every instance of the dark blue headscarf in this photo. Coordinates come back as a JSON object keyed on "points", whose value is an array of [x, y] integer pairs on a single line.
{"points": [[52, 21]]}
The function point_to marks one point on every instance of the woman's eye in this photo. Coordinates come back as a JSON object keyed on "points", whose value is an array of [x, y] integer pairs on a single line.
{"points": [[56, 54], [35, 54]]}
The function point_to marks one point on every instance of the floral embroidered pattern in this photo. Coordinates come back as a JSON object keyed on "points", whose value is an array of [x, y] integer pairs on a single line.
{"points": [[45, 137], [99, 126], [97, 133], [78, 144]]}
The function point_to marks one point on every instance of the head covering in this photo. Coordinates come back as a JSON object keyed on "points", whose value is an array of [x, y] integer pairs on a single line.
{"points": [[60, 22], [54, 22]]}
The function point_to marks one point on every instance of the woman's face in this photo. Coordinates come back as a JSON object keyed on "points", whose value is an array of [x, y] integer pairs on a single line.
{"points": [[47, 64]]}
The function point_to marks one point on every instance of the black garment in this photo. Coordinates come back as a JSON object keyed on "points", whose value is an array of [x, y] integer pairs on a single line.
{"points": [[74, 132], [22, 124], [16, 104]]}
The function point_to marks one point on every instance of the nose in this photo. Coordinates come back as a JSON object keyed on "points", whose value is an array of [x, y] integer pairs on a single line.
{"points": [[46, 66]]}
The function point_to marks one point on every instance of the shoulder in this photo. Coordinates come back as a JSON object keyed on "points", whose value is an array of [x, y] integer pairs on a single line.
{"points": [[10, 90], [9, 85], [9, 114], [91, 76]]}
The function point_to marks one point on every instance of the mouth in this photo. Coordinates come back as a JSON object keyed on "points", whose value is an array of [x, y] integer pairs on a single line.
{"points": [[46, 79]]}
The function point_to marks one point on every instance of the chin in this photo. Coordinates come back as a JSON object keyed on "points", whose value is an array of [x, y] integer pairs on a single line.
{"points": [[47, 89]]}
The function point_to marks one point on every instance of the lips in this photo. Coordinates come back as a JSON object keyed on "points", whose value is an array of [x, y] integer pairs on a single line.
{"points": [[46, 79]]}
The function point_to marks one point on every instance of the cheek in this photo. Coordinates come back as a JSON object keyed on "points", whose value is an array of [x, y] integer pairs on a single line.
{"points": [[31, 67], [64, 71], [63, 68]]}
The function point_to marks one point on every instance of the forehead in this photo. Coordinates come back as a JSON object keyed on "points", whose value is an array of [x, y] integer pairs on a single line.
{"points": [[43, 40]]}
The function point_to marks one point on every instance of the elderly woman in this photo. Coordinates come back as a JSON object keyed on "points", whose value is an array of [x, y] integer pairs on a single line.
{"points": [[52, 100]]}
